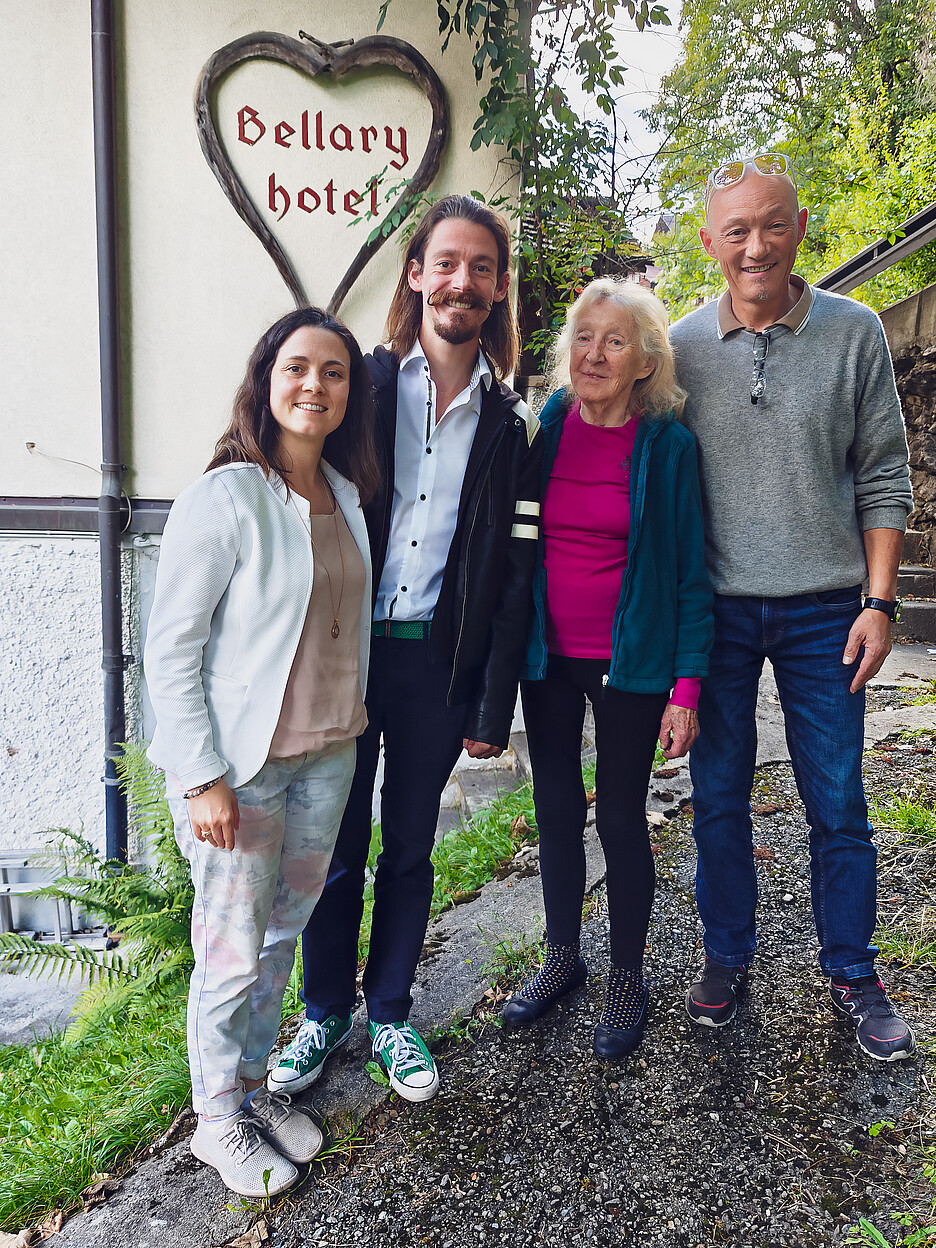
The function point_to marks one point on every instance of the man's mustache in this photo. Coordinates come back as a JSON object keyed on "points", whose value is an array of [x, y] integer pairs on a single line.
{"points": [[446, 297]]}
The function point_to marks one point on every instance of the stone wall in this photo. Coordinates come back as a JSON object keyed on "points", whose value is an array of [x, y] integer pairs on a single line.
{"points": [[911, 334], [916, 380]]}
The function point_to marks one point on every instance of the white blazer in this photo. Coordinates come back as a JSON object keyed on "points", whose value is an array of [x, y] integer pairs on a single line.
{"points": [[232, 593]]}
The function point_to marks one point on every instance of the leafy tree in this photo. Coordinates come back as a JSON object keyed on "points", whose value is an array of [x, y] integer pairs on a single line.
{"points": [[894, 189], [688, 276], [755, 74], [841, 86]]}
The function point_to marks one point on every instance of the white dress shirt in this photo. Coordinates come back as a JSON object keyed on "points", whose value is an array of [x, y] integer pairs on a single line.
{"points": [[430, 460]]}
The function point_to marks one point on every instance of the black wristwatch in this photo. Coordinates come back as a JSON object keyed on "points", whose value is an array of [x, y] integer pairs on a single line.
{"points": [[890, 609]]}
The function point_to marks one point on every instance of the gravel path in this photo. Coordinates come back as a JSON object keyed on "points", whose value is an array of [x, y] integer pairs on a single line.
{"points": [[755, 1136]]}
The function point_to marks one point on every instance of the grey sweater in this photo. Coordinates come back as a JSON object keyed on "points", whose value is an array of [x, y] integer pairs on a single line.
{"points": [[789, 485]]}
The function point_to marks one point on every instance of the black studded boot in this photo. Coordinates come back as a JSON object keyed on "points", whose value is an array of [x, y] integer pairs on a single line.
{"points": [[563, 969], [624, 1018]]}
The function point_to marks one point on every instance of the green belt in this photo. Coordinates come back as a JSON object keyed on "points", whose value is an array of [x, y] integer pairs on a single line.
{"points": [[406, 630]]}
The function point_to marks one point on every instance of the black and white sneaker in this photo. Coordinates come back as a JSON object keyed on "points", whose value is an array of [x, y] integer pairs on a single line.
{"points": [[882, 1033], [713, 999]]}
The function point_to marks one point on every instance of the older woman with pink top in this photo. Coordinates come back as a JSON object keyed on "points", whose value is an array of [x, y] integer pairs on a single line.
{"points": [[623, 618]]}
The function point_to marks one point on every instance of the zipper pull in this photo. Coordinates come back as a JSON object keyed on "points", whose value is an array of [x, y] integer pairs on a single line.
{"points": [[604, 681]]}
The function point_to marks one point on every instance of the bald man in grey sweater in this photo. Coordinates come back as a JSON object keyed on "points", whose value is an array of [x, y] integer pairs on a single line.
{"points": [[806, 492]]}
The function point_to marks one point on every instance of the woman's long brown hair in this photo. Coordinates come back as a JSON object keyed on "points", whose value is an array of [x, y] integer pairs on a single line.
{"points": [[253, 434]]}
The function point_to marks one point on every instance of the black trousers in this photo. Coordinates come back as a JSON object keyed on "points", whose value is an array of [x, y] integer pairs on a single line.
{"points": [[422, 738], [626, 728]]}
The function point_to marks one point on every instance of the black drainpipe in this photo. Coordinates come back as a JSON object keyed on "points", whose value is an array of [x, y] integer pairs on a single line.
{"points": [[110, 521]]}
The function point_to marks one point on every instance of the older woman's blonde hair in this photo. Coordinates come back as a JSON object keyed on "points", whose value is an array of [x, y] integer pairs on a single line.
{"points": [[656, 395]]}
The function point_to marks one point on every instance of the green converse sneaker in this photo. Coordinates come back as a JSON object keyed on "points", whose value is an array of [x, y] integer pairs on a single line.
{"points": [[302, 1062], [408, 1062]]}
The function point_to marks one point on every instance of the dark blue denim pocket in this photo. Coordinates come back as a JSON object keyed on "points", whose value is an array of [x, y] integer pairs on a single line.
{"points": [[847, 598]]}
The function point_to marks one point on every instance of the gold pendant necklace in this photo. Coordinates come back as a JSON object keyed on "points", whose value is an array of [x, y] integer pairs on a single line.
{"points": [[335, 610]]}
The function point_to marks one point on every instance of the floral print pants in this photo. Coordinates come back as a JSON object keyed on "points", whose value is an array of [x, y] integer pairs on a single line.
{"points": [[251, 903]]}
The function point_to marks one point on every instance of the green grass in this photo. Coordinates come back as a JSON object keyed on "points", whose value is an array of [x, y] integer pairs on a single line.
{"points": [[513, 959], [868, 1235], [466, 858], [72, 1107], [69, 1111], [913, 820], [924, 699], [896, 946], [372, 852], [292, 1000], [913, 941], [469, 857]]}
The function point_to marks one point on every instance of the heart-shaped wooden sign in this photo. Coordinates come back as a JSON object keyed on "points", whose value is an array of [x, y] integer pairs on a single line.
{"points": [[315, 58]]}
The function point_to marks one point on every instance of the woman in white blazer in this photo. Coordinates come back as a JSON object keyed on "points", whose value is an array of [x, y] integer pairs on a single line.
{"points": [[256, 663]]}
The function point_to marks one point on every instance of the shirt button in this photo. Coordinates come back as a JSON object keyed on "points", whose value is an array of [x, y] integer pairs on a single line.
{"points": [[412, 543], [402, 589], [422, 498], [428, 450]]}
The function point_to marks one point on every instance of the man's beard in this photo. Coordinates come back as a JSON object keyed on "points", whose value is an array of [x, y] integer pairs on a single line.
{"points": [[762, 291], [457, 329], [454, 332]]}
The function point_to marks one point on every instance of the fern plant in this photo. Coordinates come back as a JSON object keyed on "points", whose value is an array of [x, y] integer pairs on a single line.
{"points": [[150, 906]]}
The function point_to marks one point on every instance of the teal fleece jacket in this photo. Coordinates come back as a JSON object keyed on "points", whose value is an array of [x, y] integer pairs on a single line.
{"points": [[663, 623]]}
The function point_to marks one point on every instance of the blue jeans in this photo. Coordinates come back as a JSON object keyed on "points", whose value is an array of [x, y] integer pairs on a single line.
{"points": [[804, 638]]}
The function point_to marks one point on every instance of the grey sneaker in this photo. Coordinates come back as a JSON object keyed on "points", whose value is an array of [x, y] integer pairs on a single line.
{"points": [[290, 1131], [880, 1030], [246, 1163], [303, 1060], [408, 1062], [713, 998]]}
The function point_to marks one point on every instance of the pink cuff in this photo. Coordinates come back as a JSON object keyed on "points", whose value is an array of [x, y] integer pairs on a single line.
{"points": [[686, 692]]}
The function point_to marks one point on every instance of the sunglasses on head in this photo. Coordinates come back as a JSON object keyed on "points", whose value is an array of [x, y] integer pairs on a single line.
{"points": [[769, 164]]}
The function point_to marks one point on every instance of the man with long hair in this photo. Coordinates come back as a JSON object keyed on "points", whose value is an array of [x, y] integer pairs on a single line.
{"points": [[453, 532]]}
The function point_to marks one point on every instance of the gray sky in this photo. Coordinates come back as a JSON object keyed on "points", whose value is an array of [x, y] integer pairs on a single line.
{"points": [[647, 56]]}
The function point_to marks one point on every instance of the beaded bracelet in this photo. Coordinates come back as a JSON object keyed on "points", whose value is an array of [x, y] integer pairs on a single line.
{"points": [[202, 788]]}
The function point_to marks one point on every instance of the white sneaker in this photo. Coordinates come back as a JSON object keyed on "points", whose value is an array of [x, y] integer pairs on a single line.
{"points": [[247, 1164], [290, 1131]]}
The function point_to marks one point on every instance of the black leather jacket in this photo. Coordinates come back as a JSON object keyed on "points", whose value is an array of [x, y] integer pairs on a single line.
{"points": [[480, 621]]}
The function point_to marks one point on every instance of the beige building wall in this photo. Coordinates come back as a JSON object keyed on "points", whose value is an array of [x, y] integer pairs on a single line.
{"points": [[197, 286], [197, 290], [48, 275]]}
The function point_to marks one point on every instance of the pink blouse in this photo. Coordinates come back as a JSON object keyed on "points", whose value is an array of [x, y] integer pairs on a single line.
{"points": [[586, 524]]}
